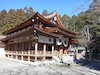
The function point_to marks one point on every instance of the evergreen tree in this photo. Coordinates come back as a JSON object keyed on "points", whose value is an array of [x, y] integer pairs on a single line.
{"points": [[3, 15], [29, 12], [14, 17], [65, 20]]}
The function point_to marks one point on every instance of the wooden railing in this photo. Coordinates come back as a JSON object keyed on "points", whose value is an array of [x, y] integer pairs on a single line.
{"points": [[30, 55], [48, 52], [20, 52], [39, 52], [56, 52]]}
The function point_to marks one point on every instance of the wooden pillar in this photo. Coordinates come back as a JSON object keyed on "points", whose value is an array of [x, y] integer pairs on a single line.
{"points": [[76, 53], [29, 51], [52, 49], [16, 55], [65, 51], [70, 46], [8, 55], [22, 55], [61, 51], [28, 56], [22, 50], [16, 50], [36, 47], [29, 45], [11, 56], [44, 52], [8, 50]]}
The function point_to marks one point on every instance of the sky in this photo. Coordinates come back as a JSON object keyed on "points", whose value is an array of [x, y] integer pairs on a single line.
{"points": [[61, 6]]}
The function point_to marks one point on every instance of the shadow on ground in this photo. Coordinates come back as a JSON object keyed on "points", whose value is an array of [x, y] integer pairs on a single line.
{"points": [[94, 64]]}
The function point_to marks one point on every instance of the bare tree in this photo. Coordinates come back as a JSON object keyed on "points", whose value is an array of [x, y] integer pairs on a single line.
{"points": [[86, 37]]}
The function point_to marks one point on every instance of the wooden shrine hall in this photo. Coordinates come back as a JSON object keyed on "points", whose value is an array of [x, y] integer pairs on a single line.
{"points": [[38, 38]]}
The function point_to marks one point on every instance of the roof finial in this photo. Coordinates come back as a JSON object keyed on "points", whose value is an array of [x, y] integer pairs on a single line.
{"points": [[44, 13]]}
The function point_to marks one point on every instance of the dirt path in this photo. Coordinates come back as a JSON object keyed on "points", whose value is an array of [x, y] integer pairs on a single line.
{"points": [[8, 67]]}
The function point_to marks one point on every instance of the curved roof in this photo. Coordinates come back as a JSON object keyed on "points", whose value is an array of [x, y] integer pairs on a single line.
{"points": [[44, 19], [45, 32], [62, 28], [54, 15], [51, 15], [58, 21]]}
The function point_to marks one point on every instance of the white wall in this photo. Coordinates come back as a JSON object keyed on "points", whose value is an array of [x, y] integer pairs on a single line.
{"points": [[2, 52], [44, 39]]}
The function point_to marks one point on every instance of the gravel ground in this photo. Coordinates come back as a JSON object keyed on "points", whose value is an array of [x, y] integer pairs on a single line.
{"points": [[9, 67]]}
